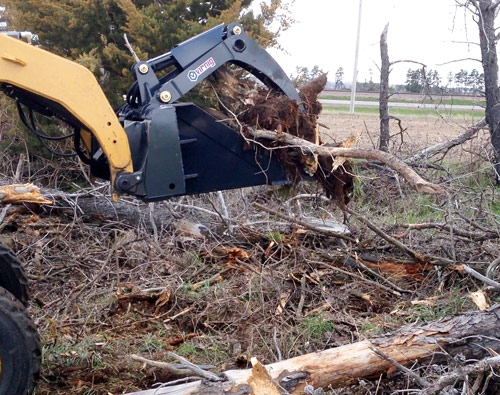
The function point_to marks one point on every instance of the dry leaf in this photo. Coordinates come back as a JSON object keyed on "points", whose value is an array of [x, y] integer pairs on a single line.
{"points": [[367, 297], [285, 296], [162, 300], [191, 229], [479, 299], [459, 268]]}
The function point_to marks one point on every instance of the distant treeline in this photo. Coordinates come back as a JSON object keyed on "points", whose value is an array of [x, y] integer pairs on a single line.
{"points": [[420, 80]]}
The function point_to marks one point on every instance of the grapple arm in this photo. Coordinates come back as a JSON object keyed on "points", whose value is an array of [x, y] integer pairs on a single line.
{"points": [[196, 59], [201, 153]]}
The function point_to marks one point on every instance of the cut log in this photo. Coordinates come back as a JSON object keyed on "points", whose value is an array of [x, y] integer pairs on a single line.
{"points": [[472, 335]]}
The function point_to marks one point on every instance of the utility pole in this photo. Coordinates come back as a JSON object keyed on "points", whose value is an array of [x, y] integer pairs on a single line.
{"points": [[3, 24], [355, 74]]}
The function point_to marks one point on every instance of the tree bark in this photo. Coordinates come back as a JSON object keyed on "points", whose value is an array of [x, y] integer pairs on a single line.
{"points": [[384, 92], [486, 12], [473, 335]]}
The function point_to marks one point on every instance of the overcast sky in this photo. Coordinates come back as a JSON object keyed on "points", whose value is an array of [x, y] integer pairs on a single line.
{"points": [[423, 30]]}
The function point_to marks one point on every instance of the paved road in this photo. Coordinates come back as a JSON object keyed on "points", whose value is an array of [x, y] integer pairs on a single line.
{"points": [[403, 105]]}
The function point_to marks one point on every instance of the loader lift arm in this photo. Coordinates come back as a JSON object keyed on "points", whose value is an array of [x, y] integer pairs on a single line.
{"points": [[154, 147], [66, 89]]}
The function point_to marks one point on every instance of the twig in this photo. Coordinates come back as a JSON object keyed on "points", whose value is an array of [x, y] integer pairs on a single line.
{"points": [[492, 267], [446, 146], [422, 382], [183, 312], [407, 250], [359, 263], [357, 276], [19, 168], [304, 224], [195, 369], [479, 276], [276, 345], [451, 378], [4, 212], [223, 206], [129, 47], [302, 296], [151, 208], [163, 365], [210, 280]]}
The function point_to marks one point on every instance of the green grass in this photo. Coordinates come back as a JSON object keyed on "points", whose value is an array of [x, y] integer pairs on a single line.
{"points": [[151, 344], [90, 351], [405, 111], [463, 102], [422, 209], [275, 236], [315, 326], [495, 208], [455, 304], [206, 353]]}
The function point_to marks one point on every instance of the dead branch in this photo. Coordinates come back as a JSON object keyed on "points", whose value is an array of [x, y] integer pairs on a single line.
{"points": [[304, 224], [447, 145], [451, 378], [391, 161], [411, 253], [480, 277]]}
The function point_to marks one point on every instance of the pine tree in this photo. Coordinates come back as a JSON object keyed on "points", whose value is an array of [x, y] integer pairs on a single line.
{"points": [[91, 31]]}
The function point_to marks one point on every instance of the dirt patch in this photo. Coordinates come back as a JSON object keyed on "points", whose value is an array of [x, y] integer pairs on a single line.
{"points": [[421, 131]]}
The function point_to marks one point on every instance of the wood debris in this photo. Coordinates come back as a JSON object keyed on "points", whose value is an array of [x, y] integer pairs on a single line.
{"points": [[22, 193]]}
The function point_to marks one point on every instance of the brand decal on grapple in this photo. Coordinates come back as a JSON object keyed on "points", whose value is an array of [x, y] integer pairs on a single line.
{"points": [[194, 74]]}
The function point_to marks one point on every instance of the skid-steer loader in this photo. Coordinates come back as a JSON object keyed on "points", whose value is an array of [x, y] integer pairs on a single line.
{"points": [[152, 147]]}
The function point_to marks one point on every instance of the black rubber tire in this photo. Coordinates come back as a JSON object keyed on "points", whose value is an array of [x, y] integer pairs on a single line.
{"points": [[20, 352], [12, 276]]}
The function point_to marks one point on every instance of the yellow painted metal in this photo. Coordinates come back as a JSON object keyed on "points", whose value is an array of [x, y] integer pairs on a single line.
{"points": [[86, 139], [73, 87]]}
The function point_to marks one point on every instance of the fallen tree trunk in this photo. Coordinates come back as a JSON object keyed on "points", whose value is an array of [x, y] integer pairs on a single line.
{"points": [[472, 335], [389, 160], [24, 198]]}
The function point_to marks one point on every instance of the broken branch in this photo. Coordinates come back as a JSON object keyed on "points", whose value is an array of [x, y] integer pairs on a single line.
{"points": [[391, 161]]}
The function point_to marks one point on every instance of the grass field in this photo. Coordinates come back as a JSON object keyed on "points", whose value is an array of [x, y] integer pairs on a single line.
{"points": [[405, 111], [400, 98]]}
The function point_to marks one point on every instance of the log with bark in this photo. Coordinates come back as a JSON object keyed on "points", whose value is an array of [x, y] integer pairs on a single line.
{"points": [[466, 337]]}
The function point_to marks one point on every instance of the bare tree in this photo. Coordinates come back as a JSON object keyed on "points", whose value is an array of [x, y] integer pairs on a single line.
{"points": [[485, 12], [385, 70], [384, 92]]}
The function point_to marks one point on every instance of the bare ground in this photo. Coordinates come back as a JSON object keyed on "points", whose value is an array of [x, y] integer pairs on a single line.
{"points": [[420, 131]]}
